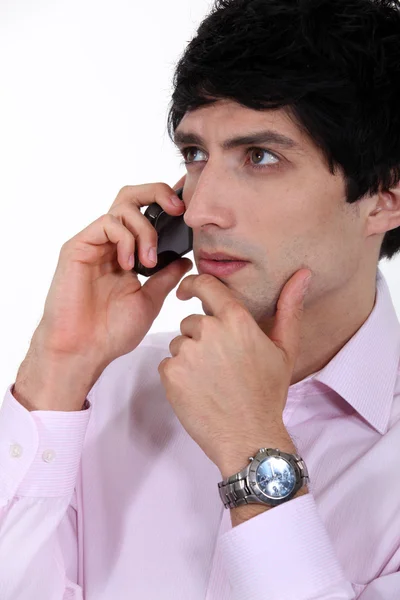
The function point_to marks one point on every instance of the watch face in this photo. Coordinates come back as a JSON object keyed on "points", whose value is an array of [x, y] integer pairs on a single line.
{"points": [[275, 477]]}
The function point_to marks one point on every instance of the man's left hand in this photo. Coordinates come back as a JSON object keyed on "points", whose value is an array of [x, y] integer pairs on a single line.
{"points": [[227, 381]]}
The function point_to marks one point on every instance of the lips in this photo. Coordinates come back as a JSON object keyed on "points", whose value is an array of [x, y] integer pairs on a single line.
{"points": [[220, 268], [219, 256]]}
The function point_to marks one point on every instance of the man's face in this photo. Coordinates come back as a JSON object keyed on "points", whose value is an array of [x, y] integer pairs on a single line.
{"points": [[289, 215]]}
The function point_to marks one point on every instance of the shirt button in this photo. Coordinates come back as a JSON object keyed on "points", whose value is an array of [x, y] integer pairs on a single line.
{"points": [[15, 450], [48, 455]]}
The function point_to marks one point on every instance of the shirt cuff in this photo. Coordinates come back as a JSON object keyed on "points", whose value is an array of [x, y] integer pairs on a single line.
{"points": [[40, 450], [284, 553]]}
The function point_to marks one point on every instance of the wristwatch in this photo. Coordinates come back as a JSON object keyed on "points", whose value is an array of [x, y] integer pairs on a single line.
{"points": [[272, 477]]}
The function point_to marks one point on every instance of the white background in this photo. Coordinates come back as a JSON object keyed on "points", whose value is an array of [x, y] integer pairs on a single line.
{"points": [[84, 91]]}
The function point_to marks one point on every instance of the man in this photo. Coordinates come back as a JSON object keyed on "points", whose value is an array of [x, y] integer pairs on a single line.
{"points": [[286, 114]]}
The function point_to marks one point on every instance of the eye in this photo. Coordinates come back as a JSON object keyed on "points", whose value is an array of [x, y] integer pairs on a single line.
{"points": [[260, 152], [191, 153], [187, 154]]}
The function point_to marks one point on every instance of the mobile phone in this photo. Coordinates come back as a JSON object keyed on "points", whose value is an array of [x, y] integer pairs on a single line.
{"points": [[175, 238]]}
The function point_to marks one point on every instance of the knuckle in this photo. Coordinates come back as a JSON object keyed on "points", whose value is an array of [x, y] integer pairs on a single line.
{"points": [[108, 218], [206, 325], [206, 279], [117, 212], [162, 187], [163, 365], [172, 345], [236, 311], [126, 194], [69, 249], [162, 190], [126, 189], [135, 223], [65, 247]]}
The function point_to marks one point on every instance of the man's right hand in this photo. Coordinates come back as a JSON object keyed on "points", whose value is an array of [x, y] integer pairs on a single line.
{"points": [[96, 309]]}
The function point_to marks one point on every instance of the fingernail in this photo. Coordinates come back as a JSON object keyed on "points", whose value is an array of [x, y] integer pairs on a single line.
{"points": [[306, 283], [176, 201], [152, 255]]}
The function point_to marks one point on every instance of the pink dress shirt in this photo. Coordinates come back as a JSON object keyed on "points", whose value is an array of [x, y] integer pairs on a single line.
{"points": [[118, 502]]}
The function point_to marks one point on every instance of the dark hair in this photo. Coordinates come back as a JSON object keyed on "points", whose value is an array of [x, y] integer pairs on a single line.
{"points": [[334, 65]]}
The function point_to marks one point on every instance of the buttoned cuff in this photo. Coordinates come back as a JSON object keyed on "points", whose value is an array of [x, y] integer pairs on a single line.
{"points": [[40, 451], [284, 553]]}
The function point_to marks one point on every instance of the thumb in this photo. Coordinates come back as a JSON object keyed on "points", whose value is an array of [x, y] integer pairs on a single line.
{"points": [[159, 285], [285, 332]]}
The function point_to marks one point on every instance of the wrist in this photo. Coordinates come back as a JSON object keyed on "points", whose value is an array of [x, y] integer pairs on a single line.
{"points": [[48, 382], [234, 461]]}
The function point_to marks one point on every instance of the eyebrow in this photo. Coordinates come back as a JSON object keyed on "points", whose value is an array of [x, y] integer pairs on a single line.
{"points": [[258, 137]]}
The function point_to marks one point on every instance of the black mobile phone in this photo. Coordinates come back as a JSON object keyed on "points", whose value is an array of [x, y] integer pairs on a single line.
{"points": [[175, 238]]}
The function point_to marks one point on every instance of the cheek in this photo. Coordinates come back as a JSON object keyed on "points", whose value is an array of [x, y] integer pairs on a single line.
{"points": [[305, 218], [313, 233]]}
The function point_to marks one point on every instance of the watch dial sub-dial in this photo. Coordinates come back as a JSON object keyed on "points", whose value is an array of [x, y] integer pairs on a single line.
{"points": [[275, 477]]}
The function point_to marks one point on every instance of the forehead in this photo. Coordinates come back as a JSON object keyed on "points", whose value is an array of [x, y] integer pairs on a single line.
{"points": [[226, 118]]}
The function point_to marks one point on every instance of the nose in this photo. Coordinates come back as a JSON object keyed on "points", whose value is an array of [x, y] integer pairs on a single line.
{"points": [[208, 205]]}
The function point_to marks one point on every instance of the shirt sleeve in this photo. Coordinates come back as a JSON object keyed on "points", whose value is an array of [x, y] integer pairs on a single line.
{"points": [[285, 553], [383, 588], [40, 454]]}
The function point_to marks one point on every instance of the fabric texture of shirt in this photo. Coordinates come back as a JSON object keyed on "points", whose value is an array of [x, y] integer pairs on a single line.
{"points": [[118, 502]]}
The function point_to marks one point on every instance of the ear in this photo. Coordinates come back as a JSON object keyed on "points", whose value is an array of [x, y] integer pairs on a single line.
{"points": [[385, 214]]}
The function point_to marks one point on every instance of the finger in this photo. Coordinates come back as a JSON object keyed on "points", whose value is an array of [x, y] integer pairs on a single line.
{"points": [[286, 330], [209, 290], [94, 242], [191, 326], [127, 208], [180, 183], [160, 284], [176, 344], [144, 234], [149, 193]]}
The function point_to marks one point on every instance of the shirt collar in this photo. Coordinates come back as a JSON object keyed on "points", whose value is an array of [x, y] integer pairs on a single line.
{"points": [[364, 371]]}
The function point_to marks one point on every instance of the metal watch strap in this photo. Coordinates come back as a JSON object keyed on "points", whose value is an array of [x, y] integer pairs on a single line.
{"points": [[234, 490]]}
